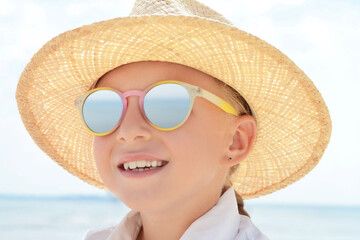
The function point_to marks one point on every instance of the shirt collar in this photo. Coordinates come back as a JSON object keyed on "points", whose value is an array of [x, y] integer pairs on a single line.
{"points": [[220, 222]]}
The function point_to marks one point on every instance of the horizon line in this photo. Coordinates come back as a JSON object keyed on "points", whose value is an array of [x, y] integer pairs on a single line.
{"points": [[111, 198]]}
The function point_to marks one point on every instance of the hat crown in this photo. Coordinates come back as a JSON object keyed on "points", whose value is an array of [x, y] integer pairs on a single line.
{"points": [[176, 7]]}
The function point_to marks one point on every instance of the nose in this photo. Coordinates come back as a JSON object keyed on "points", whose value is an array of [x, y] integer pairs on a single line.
{"points": [[133, 127]]}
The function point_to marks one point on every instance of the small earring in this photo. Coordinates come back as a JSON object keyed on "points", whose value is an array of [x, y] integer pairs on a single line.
{"points": [[230, 158]]}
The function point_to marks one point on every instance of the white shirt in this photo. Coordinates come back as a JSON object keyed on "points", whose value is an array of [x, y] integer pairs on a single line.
{"points": [[221, 222]]}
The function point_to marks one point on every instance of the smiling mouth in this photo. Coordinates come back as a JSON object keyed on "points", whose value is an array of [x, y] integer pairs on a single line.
{"points": [[144, 165]]}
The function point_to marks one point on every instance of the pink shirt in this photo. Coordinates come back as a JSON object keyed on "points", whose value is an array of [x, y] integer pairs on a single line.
{"points": [[221, 222]]}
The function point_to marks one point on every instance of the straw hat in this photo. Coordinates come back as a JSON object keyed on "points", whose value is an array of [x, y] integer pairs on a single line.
{"points": [[293, 121]]}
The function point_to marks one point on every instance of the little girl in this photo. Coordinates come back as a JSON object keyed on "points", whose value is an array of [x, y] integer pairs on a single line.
{"points": [[182, 116]]}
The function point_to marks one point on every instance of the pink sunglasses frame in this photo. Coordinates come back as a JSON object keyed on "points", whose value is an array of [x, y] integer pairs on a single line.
{"points": [[194, 91]]}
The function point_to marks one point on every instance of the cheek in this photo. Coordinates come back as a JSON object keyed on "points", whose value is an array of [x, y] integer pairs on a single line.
{"points": [[209, 133], [199, 145], [196, 163], [101, 154]]}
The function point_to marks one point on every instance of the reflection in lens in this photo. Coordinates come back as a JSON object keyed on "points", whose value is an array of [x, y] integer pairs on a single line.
{"points": [[102, 110], [167, 105]]}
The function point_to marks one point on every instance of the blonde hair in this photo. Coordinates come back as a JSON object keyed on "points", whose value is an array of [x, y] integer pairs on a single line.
{"points": [[243, 108]]}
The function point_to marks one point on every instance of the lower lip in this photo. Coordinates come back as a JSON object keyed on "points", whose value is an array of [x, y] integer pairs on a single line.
{"points": [[139, 174]]}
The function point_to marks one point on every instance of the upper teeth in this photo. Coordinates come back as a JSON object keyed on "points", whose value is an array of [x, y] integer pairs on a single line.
{"points": [[143, 163]]}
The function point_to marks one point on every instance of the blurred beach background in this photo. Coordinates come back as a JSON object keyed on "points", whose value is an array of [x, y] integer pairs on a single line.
{"points": [[40, 200]]}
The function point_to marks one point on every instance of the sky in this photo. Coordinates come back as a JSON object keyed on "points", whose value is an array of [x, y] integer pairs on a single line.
{"points": [[320, 36]]}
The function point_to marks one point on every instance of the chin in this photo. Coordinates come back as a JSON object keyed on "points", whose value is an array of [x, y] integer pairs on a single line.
{"points": [[142, 200]]}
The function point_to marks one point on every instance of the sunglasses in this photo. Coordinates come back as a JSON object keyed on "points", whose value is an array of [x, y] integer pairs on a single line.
{"points": [[165, 105]]}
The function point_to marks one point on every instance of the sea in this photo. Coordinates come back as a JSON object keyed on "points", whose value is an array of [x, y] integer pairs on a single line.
{"points": [[70, 217]]}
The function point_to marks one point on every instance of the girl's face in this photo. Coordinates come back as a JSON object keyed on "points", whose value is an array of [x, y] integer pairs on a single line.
{"points": [[195, 152]]}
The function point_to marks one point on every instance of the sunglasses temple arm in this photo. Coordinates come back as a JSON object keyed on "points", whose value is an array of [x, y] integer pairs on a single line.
{"points": [[221, 103]]}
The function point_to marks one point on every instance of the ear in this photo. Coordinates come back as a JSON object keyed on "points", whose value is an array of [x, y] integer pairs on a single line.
{"points": [[243, 136]]}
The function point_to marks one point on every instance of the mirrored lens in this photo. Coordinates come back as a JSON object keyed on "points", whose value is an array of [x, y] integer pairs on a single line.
{"points": [[167, 105], [102, 110]]}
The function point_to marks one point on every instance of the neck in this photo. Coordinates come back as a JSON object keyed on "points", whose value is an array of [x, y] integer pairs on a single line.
{"points": [[172, 223]]}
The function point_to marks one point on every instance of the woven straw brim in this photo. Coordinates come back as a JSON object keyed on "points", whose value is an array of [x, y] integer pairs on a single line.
{"points": [[293, 121]]}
